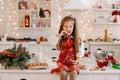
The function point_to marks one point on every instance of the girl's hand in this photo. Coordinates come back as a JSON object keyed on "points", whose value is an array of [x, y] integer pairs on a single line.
{"points": [[74, 61], [62, 33]]}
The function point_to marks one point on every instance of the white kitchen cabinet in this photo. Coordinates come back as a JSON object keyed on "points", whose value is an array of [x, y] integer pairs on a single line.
{"points": [[107, 46], [110, 74], [31, 76], [84, 77], [94, 48], [106, 77], [48, 51], [40, 77]]}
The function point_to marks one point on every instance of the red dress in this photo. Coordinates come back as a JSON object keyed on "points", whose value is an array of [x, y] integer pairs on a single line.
{"points": [[67, 54]]}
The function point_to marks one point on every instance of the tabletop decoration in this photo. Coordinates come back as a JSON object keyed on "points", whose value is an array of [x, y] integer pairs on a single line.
{"points": [[15, 57], [115, 13]]}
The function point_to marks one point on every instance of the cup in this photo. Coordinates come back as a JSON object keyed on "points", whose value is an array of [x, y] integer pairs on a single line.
{"points": [[100, 64], [34, 25], [105, 63], [41, 38]]}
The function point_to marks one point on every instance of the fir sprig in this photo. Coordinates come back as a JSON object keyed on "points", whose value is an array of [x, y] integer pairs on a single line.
{"points": [[14, 57]]}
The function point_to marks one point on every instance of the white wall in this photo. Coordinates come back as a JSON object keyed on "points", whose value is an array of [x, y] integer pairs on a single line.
{"points": [[86, 28]]}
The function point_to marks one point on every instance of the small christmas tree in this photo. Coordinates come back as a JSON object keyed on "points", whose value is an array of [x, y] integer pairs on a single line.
{"points": [[41, 13]]}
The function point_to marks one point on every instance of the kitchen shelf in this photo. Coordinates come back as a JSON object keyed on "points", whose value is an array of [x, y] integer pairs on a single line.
{"points": [[34, 28], [106, 23], [29, 13], [104, 9], [41, 18], [104, 16]]}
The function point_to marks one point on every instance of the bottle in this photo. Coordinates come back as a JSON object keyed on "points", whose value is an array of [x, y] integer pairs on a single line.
{"points": [[109, 64], [33, 58], [110, 38], [4, 38], [105, 35]]}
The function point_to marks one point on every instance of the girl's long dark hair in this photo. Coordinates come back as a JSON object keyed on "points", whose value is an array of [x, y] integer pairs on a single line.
{"points": [[75, 33]]}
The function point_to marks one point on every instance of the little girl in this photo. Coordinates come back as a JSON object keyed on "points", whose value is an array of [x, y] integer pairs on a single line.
{"points": [[68, 45]]}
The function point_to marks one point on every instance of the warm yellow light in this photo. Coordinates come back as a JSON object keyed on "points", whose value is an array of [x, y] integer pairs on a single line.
{"points": [[9, 16], [16, 28], [17, 34], [88, 20], [0, 19], [2, 7], [14, 23], [81, 21], [27, 11], [14, 12]]}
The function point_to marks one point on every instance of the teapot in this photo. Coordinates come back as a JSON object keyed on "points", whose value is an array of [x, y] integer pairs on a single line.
{"points": [[100, 54]]}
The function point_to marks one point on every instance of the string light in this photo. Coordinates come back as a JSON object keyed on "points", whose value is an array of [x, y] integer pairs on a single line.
{"points": [[60, 5], [85, 21], [11, 12], [86, 24], [0, 20]]}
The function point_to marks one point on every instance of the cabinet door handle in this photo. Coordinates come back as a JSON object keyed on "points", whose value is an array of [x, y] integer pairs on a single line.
{"points": [[23, 79], [54, 49]]}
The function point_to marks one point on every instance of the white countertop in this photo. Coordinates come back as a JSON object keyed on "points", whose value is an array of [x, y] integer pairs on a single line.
{"points": [[105, 43], [30, 43], [33, 42], [107, 71]]}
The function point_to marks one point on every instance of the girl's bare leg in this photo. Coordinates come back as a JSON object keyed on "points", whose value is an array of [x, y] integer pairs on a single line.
{"points": [[63, 75], [73, 75]]}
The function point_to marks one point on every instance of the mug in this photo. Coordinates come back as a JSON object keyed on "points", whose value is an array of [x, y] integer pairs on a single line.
{"points": [[34, 25]]}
